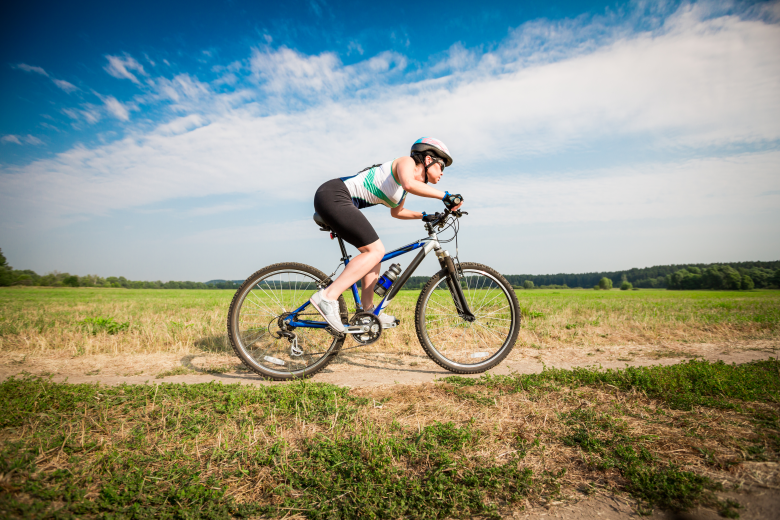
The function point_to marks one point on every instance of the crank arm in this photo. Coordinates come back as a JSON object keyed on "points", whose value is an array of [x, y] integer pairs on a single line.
{"points": [[356, 329]]}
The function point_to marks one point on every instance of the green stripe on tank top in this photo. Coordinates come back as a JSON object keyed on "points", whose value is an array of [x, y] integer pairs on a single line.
{"points": [[374, 189]]}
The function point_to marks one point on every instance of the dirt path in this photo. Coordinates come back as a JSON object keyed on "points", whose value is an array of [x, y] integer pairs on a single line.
{"points": [[361, 368], [758, 502]]}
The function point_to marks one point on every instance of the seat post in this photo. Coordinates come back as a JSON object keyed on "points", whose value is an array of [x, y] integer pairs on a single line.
{"points": [[344, 256]]}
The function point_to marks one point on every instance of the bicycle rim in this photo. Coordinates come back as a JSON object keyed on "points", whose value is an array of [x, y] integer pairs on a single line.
{"points": [[469, 347], [255, 325]]}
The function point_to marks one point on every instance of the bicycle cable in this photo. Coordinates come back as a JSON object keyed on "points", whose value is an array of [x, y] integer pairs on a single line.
{"points": [[454, 224]]}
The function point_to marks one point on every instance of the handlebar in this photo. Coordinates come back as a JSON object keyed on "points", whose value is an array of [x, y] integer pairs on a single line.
{"points": [[440, 219]]}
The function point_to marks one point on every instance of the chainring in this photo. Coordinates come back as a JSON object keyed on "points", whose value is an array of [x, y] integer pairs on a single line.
{"points": [[374, 327]]}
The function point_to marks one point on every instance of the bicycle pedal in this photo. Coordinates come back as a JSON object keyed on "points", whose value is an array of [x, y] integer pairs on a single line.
{"points": [[391, 325]]}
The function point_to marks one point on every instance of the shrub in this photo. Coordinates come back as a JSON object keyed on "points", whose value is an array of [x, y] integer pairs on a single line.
{"points": [[605, 283], [528, 284], [108, 325], [747, 283], [625, 286]]}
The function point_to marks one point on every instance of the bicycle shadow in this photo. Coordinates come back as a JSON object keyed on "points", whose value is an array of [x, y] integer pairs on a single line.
{"points": [[220, 344], [217, 344], [393, 364]]}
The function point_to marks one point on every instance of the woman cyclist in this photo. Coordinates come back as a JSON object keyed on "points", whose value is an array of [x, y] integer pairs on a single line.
{"points": [[339, 202]]}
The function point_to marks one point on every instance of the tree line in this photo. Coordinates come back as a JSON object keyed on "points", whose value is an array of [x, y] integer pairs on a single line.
{"points": [[721, 276], [10, 276], [730, 276]]}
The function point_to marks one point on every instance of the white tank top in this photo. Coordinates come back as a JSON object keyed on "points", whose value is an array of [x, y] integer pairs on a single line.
{"points": [[377, 185]]}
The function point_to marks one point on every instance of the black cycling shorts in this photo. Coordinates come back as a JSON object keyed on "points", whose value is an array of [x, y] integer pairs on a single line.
{"points": [[334, 204]]}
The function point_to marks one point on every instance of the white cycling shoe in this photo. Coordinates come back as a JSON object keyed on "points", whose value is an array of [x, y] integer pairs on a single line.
{"points": [[387, 321], [329, 309]]}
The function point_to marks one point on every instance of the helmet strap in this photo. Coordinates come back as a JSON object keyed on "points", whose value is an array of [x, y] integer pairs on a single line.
{"points": [[426, 166]]}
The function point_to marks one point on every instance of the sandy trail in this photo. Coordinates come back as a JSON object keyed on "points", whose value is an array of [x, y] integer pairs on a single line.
{"points": [[362, 367]]}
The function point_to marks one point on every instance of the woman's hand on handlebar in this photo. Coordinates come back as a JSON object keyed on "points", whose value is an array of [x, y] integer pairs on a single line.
{"points": [[452, 202]]}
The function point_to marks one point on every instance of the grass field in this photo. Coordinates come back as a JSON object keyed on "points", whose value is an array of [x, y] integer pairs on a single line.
{"points": [[669, 437], [119, 321]]}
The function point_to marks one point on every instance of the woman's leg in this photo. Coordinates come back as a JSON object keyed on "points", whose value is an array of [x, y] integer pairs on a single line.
{"points": [[362, 265], [369, 281]]}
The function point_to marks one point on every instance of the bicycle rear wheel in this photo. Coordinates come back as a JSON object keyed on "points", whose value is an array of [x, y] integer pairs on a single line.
{"points": [[453, 342], [255, 323]]}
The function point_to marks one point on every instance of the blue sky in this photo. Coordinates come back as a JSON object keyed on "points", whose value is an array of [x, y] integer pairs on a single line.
{"points": [[174, 140]]}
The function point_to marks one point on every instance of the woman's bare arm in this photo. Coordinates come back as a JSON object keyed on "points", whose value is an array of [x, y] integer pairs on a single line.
{"points": [[405, 214], [405, 170]]}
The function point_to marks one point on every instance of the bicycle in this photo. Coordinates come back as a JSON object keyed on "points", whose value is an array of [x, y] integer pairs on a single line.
{"points": [[467, 317]]}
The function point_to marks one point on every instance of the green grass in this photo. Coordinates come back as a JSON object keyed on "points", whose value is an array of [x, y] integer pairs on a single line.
{"points": [[683, 386], [86, 321], [457, 448]]}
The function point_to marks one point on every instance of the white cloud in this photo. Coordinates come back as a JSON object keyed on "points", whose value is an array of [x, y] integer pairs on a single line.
{"points": [[64, 85], [181, 88], [32, 68], [120, 67], [695, 85], [51, 127], [89, 113], [181, 125], [10, 139], [710, 187], [354, 47], [115, 108], [279, 70], [286, 72], [17, 139]]}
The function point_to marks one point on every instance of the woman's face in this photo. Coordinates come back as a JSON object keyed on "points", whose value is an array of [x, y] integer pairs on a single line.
{"points": [[434, 171]]}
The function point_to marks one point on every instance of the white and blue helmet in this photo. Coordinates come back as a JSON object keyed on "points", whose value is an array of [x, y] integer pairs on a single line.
{"points": [[431, 144]]}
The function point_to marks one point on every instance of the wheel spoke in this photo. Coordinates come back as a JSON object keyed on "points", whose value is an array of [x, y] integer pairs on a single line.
{"points": [[457, 342], [255, 329]]}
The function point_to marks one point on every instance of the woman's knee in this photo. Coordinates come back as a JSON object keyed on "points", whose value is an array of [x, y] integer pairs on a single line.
{"points": [[375, 249]]}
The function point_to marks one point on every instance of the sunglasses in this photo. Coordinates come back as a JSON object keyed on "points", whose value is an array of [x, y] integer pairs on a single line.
{"points": [[439, 161]]}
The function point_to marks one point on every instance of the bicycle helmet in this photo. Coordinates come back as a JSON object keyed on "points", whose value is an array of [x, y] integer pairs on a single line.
{"points": [[430, 144]]}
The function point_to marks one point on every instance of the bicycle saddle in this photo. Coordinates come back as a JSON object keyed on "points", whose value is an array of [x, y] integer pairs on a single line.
{"points": [[320, 222]]}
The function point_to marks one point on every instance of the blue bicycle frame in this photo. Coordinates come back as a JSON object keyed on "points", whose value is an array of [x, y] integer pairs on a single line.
{"points": [[427, 244]]}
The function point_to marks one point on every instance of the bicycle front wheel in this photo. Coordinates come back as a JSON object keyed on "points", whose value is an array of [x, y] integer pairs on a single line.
{"points": [[459, 345], [259, 336]]}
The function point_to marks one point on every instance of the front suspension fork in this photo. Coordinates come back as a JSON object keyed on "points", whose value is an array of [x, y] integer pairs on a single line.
{"points": [[456, 291]]}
